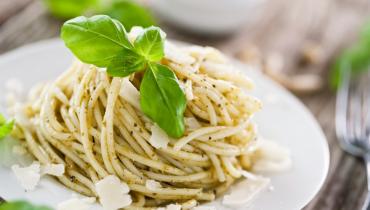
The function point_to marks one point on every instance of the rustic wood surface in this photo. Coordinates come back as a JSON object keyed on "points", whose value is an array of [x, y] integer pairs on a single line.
{"points": [[282, 26]]}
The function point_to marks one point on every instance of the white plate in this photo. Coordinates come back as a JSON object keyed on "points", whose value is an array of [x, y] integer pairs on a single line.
{"points": [[283, 119]]}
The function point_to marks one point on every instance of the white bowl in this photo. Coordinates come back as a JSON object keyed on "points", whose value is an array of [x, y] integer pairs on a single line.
{"points": [[207, 16]]}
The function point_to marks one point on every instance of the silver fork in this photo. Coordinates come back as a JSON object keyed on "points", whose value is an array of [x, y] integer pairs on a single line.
{"points": [[353, 119]]}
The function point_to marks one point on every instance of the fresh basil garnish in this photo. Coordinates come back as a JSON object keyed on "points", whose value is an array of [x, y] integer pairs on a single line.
{"points": [[163, 100], [125, 63], [6, 126], [95, 40], [355, 59], [69, 8], [150, 44], [130, 14], [102, 41], [21, 205]]}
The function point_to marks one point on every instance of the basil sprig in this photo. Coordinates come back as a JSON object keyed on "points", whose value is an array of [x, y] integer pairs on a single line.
{"points": [[6, 126], [355, 59], [128, 12], [102, 41], [21, 205]]}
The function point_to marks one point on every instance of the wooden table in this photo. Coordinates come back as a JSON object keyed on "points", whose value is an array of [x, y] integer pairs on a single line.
{"points": [[283, 26]]}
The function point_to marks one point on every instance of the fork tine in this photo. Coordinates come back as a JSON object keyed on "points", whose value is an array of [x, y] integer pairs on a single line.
{"points": [[341, 108], [367, 106], [344, 119], [356, 110]]}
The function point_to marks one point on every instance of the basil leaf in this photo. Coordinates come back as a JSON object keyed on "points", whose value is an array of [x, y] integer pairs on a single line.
{"points": [[69, 8], [6, 126], [163, 100], [125, 63], [21, 205], [95, 40], [2, 119], [150, 44], [130, 14], [355, 59]]}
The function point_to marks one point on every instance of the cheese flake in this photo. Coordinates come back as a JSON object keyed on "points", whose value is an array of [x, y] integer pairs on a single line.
{"points": [[158, 139], [53, 169], [130, 93], [152, 185], [113, 193], [76, 204], [28, 176]]}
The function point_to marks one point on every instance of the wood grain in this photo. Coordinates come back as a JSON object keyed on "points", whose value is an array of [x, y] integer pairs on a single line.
{"points": [[283, 26]]}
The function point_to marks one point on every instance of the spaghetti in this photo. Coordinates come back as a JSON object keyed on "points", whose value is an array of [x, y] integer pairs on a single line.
{"points": [[83, 120]]}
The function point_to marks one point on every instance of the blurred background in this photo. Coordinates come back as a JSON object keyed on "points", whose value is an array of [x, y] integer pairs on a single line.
{"points": [[298, 43]]}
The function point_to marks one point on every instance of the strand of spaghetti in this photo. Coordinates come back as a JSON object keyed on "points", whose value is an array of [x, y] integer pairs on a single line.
{"points": [[34, 148], [217, 150], [83, 180], [185, 155], [87, 143], [74, 186], [195, 134], [148, 162], [108, 119], [176, 163], [44, 144], [211, 111], [225, 132], [217, 165], [171, 178], [230, 168]]}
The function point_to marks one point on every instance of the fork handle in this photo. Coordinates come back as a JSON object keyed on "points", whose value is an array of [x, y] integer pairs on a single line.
{"points": [[366, 205]]}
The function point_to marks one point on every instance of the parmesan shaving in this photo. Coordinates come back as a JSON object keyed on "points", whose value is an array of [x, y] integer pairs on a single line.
{"points": [[152, 185], [272, 157], [130, 93], [28, 176], [158, 139], [113, 193], [76, 204], [246, 191], [53, 169]]}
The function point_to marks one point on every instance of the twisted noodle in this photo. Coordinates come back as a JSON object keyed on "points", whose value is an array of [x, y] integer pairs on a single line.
{"points": [[82, 121]]}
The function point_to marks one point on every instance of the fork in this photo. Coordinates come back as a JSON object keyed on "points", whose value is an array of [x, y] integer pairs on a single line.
{"points": [[353, 119]]}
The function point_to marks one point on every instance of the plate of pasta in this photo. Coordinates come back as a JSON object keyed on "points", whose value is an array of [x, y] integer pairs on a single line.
{"points": [[162, 125]]}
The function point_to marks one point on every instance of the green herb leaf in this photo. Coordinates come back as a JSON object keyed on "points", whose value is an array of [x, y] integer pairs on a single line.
{"points": [[21, 205], [150, 44], [163, 100], [95, 40], [125, 63], [2, 119], [6, 126], [69, 8], [130, 14], [356, 59]]}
